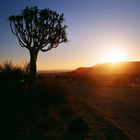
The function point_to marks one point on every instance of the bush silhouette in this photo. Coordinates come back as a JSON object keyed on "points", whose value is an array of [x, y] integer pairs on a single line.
{"points": [[12, 77]]}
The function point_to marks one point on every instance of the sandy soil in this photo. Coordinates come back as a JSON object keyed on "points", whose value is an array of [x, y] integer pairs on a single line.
{"points": [[120, 106]]}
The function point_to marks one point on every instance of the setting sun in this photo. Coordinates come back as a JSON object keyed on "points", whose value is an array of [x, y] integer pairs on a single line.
{"points": [[114, 56]]}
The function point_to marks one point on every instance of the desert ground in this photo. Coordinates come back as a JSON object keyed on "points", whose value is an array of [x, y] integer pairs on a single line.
{"points": [[111, 113], [120, 105]]}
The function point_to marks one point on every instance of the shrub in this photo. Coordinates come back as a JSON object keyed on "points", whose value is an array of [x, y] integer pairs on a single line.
{"points": [[13, 78]]}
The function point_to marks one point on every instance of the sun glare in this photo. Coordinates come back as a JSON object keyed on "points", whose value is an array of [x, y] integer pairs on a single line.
{"points": [[114, 56]]}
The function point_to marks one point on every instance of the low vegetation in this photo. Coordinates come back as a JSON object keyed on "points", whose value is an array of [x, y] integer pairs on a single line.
{"points": [[47, 113]]}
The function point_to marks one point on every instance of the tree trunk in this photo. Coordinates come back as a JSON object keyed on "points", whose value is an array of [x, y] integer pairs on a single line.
{"points": [[32, 72]]}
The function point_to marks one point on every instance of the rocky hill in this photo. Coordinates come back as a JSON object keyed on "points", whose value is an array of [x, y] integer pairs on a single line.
{"points": [[111, 68]]}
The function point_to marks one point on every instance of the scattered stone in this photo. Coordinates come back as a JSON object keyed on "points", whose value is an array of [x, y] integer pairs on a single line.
{"points": [[77, 129]]}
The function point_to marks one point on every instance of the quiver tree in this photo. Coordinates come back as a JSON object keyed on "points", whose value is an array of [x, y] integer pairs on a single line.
{"points": [[38, 30]]}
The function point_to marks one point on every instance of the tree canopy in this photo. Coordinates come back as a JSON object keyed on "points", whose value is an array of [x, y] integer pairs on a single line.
{"points": [[39, 29]]}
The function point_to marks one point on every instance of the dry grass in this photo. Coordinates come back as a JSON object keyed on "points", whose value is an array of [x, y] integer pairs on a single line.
{"points": [[46, 114]]}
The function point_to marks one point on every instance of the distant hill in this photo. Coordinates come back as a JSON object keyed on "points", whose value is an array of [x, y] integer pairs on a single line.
{"points": [[111, 68]]}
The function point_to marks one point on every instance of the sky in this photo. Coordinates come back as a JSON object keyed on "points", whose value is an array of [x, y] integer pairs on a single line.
{"points": [[96, 30]]}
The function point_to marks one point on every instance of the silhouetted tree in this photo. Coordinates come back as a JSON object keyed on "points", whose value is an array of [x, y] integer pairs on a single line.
{"points": [[38, 30]]}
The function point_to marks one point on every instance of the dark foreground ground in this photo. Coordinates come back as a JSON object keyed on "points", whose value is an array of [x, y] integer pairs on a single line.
{"points": [[117, 104], [49, 113]]}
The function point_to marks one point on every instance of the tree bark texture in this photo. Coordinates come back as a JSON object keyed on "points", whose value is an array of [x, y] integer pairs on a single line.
{"points": [[33, 71]]}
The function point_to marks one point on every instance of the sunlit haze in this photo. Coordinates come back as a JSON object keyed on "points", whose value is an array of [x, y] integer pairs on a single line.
{"points": [[114, 56], [98, 31]]}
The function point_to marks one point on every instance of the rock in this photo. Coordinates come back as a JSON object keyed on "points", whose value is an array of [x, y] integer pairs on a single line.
{"points": [[77, 129]]}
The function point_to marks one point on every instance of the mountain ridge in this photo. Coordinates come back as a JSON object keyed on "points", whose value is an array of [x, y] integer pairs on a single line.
{"points": [[132, 67]]}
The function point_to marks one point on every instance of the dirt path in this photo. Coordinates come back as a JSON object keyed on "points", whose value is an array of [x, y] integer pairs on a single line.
{"points": [[119, 105]]}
